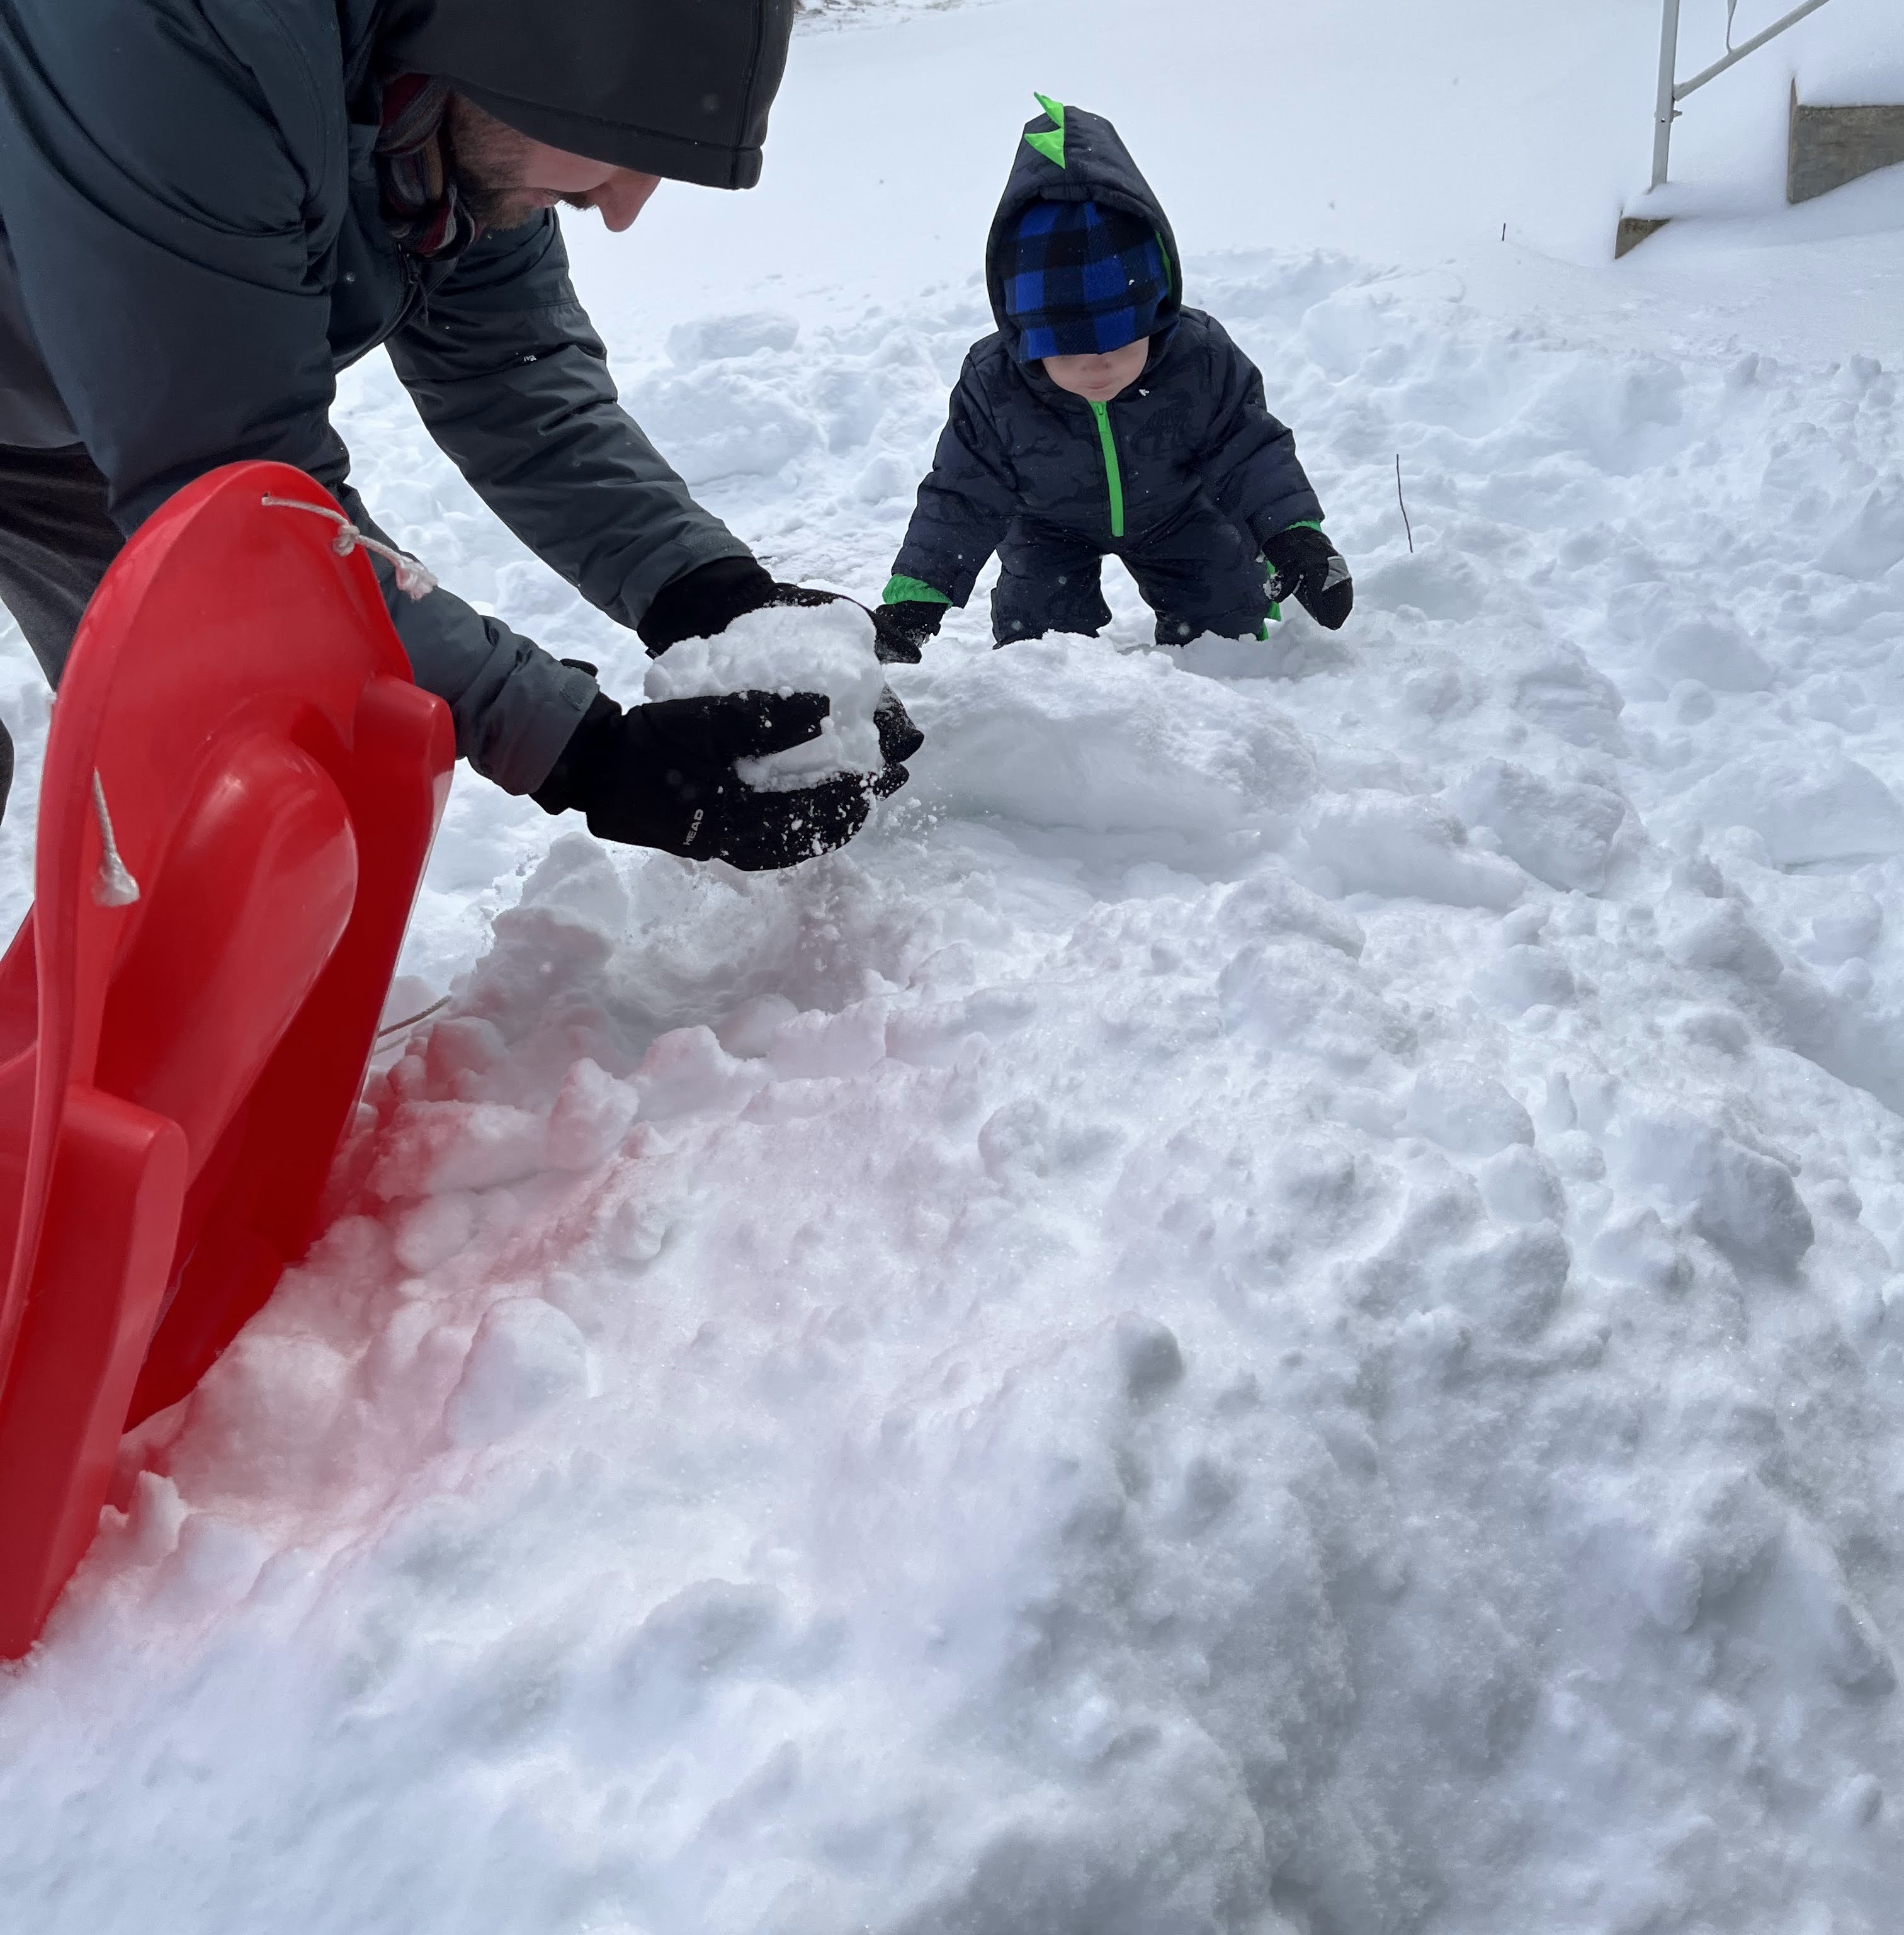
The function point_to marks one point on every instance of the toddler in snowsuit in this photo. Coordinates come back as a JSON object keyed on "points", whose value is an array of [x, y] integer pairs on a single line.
{"points": [[1104, 417]]}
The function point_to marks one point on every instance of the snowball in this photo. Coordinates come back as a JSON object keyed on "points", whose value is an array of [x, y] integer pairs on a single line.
{"points": [[825, 648]]}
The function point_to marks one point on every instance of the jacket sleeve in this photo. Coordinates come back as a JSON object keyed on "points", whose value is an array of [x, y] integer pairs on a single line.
{"points": [[513, 383], [156, 192], [967, 501], [1246, 458]]}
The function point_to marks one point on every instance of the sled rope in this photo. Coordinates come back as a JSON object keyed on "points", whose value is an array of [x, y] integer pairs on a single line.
{"points": [[414, 579], [411, 1021], [113, 887]]}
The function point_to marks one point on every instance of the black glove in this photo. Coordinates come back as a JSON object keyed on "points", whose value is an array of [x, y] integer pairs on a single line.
{"points": [[705, 601], [662, 775], [900, 630], [1310, 569], [899, 737]]}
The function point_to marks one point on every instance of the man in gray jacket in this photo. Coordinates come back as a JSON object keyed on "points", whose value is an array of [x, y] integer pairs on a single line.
{"points": [[210, 207]]}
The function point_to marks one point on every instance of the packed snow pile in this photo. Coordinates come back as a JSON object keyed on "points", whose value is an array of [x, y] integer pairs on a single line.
{"points": [[1273, 1308], [825, 648]]}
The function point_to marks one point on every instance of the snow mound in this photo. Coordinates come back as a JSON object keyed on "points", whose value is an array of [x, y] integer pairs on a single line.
{"points": [[826, 648], [1562, 831], [1057, 733], [1805, 810], [1384, 843]]}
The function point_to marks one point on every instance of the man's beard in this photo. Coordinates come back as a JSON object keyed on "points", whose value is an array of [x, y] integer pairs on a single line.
{"points": [[488, 164]]}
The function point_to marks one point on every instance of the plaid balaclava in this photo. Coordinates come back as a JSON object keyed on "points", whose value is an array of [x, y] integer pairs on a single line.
{"points": [[1082, 280]]}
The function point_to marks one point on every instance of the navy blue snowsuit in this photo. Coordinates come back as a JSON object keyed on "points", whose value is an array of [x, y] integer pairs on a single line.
{"points": [[1184, 475]]}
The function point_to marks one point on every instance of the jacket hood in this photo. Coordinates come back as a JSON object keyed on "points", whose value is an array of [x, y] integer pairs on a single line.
{"points": [[675, 88], [1070, 155]]}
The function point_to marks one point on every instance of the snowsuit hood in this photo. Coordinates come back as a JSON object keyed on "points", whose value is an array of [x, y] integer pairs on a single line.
{"points": [[675, 88], [1068, 154]]}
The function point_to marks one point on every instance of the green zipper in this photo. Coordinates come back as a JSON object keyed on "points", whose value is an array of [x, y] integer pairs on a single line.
{"points": [[1113, 474]]}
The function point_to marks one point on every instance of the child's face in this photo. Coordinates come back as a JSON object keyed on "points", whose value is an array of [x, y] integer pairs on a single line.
{"points": [[1098, 378]]}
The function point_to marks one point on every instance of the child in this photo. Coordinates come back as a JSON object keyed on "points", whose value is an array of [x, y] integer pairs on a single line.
{"points": [[1105, 418]]}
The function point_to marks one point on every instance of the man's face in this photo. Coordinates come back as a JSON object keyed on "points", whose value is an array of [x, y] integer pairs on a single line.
{"points": [[506, 179]]}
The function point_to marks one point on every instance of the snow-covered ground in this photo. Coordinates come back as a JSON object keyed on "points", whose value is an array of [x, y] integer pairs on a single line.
{"points": [[1275, 1307]]}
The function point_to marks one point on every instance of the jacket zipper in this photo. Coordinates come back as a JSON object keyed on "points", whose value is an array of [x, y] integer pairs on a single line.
{"points": [[1113, 471]]}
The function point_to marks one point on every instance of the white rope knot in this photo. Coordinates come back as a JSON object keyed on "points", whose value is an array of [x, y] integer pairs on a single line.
{"points": [[414, 579], [113, 886]]}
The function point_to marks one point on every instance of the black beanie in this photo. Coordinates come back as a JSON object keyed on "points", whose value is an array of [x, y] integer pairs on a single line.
{"points": [[675, 88]]}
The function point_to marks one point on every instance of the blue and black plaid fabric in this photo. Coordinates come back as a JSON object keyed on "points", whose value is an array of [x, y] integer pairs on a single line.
{"points": [[1082, 280]]}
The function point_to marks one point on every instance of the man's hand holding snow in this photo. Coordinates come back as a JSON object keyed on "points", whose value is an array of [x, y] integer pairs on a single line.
{"points": [[768, 732], [663, 775], [1310, 569], [705, 603]]}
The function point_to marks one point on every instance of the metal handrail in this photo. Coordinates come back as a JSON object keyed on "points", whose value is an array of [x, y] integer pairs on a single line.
{"points": [[1672, 91]]}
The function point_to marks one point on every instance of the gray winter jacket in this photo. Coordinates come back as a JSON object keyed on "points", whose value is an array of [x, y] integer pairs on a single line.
{"points": [[191, 248], [1191, 441]]}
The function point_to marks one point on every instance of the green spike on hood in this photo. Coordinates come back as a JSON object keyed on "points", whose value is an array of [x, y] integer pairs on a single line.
{"points": [[1051, 146]]}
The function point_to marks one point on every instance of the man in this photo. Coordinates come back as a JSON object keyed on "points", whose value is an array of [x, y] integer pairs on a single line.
{"points": [[209, 207]]}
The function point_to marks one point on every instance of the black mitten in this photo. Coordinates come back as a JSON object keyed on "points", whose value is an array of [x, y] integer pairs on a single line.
{"points": [[900, 631], [1310, 569], [662, 775], [703, 603], [899, 737]]}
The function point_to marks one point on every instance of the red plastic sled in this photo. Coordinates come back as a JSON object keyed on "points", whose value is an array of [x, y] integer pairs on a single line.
{"points": [[238, 721]]}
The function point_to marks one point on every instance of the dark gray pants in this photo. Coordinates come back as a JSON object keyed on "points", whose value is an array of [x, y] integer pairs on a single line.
{"points": [[1199, 574], [55, 542]]}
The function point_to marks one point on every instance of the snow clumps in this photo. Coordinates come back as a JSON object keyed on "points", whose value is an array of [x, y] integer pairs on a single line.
{"points": [[825, 648]]}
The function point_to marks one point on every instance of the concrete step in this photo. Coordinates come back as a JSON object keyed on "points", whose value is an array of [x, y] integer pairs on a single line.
{"points": [[1827, 147], [1833, 145]]}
